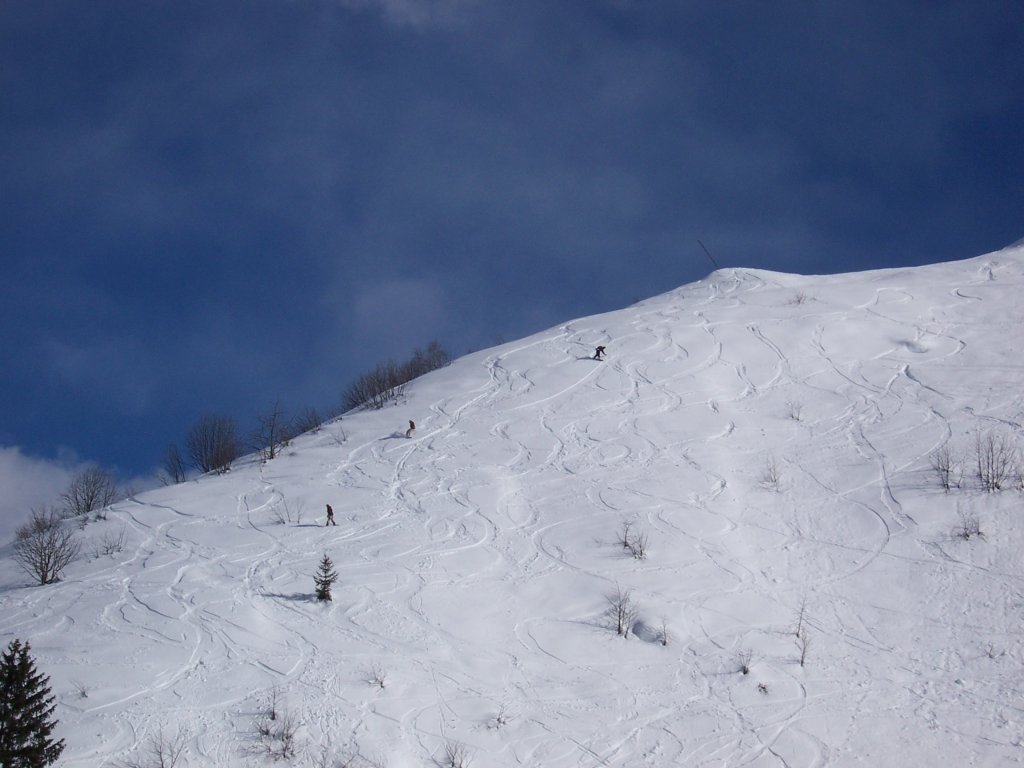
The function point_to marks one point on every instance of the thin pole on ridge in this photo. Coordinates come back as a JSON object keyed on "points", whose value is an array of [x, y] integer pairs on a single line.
{"points": [[709, 254]]}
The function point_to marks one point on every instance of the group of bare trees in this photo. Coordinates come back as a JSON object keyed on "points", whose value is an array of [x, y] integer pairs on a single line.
{"points": [[386, 383], [213, 443], [995, 463]]}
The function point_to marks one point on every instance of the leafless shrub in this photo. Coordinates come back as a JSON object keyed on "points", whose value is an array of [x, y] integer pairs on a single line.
{"points": [[799, 298], [307, 421], [386, 383], [502, 717], [273, 432], [347, 760], [90, 490], [622, 611], [794, 410], [762, 688], [771, 477], [663, 634], [638, 546], [81, 689], [625, 534], [279, 734], [969, 526], [636, 543], [801, 617], [743, 660], [161, 751], [456, 755], [948, 468], [110, 544], [275, 700], [804, 642], [378, 676], [285, 515], [44, 547], [212, 443], [375, 389], [996, 459], [174, 467]]}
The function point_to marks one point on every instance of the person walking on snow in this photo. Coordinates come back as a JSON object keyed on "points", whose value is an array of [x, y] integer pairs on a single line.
{"points": [[599, 353], [411, 429], [330, 516]]}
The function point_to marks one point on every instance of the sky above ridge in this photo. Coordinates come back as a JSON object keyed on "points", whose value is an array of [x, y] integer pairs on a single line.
{"points": [[213, 207]]}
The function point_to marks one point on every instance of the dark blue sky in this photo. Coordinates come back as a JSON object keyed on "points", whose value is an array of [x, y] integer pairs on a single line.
{"points": [[212, 206]]}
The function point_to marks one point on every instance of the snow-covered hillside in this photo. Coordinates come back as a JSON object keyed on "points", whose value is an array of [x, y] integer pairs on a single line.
{"points": [[769, 438]]}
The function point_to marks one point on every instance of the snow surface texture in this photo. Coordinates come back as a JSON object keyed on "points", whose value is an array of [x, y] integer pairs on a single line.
{"points": [[770, 436]]}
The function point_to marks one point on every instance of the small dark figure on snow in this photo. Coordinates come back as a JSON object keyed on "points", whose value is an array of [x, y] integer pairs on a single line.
{"points": [[411, 429], [599, 353], [330, 516]]}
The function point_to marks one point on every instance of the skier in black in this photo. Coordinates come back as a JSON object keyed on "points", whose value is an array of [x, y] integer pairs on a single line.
{"points": [[330, 516], [599, 353], [411, 429]]}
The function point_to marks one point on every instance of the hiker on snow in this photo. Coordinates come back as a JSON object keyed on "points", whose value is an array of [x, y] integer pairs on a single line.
{"points": [[599, 353], [411, 429], [330, 516]]}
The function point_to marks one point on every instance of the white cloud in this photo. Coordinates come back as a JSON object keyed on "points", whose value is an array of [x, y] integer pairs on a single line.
{"points": [[30, 482]]}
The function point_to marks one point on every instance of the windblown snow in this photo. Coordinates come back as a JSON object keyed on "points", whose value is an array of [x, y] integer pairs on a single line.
{"points": [[764, 442]]}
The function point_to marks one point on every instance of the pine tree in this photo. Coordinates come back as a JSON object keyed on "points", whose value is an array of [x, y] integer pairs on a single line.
{"points": [[325, 577], [26, 707]]}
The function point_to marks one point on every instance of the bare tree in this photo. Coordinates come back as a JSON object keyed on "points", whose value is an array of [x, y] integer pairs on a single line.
{"points": [[307, 421], [622, 611], [805, 644], [801, 617], [174, 466], [273, 432], [456, 755], [44, 547], [162, 751], [996, 460], [212, 443], [374, 390], [771, 478], [110, 544], [743, 661], [947, 468], [386, 383], [91, 489]]}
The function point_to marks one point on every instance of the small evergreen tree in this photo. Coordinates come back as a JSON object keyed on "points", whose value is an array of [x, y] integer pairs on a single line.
{"points": [[325, 577], [26, 707]]}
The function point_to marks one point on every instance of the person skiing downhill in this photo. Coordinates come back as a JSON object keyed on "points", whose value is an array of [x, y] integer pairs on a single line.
{"points": [[330, 516], [599, 353], [411, 429]]}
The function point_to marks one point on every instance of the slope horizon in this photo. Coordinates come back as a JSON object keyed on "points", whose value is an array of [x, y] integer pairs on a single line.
{"points": [[803, 587]]}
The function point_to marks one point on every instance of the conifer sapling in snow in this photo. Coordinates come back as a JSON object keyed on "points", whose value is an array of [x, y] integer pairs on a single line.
{"points": [[26, 709], [325, 577]]}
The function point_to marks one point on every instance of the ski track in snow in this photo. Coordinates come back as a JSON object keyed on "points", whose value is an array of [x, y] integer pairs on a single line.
{"points": [[477, 558]]}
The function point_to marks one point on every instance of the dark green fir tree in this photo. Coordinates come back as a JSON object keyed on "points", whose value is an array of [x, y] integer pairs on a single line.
{"points": [[325, 577], [26, 712]]}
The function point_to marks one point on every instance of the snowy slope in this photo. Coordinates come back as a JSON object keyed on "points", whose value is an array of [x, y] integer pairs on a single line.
{"points": [[770, 435]]}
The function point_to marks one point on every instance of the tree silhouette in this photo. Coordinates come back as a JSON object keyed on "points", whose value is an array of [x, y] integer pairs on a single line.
{"points": [[26, 707], [325, 577]]}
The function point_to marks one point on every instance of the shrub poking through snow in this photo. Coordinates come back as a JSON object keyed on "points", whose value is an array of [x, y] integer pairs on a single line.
{"points": [[996, 459], [743, 659], [622, 611]]}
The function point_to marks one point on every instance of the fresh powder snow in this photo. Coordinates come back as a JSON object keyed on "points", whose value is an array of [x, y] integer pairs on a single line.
{"points": [[746, 484]]}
